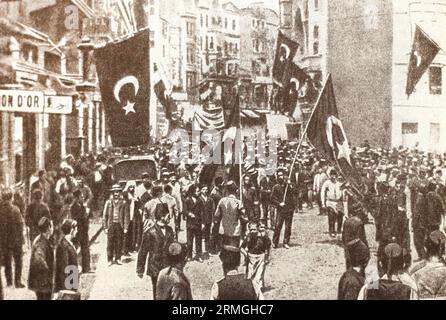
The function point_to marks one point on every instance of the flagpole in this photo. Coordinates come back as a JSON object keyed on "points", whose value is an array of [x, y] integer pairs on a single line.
{"points": [[303, 136]]}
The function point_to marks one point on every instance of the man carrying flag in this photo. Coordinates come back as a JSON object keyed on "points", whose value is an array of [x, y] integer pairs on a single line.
{"points": [[124, 79], [424, 51]]}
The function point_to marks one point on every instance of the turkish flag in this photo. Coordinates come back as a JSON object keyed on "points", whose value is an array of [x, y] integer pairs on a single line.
{"points": [[294, 80], [124, 78], [326, 133], [285, 52], [424, 51]]}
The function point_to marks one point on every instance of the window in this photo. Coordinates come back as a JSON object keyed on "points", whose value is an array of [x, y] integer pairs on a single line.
{"points": [[164, 28], [164, 51], [207, 43], [52, 62], [435, 81], [226, 23], [316, 32], [190, 26], [253, 23], [316, 47], [211, 44], [316, 4], [409, 128], [207, 21], [263, 24], [236, 47], [286, 18], [190, 55], [233, 25], [201, 19], [201, 43], [190, 80]]}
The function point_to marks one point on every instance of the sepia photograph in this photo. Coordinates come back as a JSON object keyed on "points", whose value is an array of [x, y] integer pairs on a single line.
{"points": [[222, 150]]}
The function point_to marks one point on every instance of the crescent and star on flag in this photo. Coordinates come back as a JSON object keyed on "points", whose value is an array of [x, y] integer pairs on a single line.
{"points": [[343, 148], [130, 106]]}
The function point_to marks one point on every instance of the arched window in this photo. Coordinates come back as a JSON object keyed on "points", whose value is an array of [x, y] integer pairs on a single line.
{"points": [[316, 32], [316, 47]]}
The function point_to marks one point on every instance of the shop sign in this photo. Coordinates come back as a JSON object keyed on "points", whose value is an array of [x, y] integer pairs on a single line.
{"points": [[21, 101]]}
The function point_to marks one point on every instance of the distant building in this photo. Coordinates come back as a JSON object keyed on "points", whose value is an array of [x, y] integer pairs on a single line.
{"points": [[366, 46]]}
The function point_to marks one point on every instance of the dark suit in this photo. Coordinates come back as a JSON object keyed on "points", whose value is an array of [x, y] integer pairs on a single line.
{"points": [[216, 196], [350, 285], [435, 210], [35, 212], [193, 226], [266, 186], [206, 208], [79, 213], [172, 284], [66, 256], [155, 244], [41, 268], [14, 242], [353, 229], [284, 214]]}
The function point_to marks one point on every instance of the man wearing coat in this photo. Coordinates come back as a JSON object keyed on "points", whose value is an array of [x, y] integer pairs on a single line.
{"points": [[80, 215], [155, 245], [172, 283], [206, 207], [40, 279], [229, 215], [66, 256], [285, 210], [435, 209], [353, 230], [36, 211], [115, 221], [14, 240], [193, 223]]}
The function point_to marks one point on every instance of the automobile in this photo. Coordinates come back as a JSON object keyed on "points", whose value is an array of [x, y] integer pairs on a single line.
{"points": [[132, 167]]}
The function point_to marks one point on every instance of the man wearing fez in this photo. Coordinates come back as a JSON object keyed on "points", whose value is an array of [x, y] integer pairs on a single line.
{"points": [[115, 221], [40, 279], [234, 285], [172, 283], [155, 245]]}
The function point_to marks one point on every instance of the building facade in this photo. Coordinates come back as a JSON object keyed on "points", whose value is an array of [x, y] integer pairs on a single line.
{"points": [[366, 47]]}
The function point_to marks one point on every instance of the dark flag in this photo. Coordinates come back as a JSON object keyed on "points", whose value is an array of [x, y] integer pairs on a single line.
{"points": [[294, 79], [124, 78], [285, 52], [166, 100], [139, 11], [326, 133], [423, 53]]}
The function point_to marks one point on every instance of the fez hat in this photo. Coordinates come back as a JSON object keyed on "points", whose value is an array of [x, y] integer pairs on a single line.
{"points": [[116, 187]]}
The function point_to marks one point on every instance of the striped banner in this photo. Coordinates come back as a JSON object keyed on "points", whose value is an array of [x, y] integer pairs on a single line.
{"points": [[208, 119]]}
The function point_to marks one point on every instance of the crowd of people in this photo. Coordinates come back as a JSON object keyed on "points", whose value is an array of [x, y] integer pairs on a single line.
{"points": [[401, 191]]}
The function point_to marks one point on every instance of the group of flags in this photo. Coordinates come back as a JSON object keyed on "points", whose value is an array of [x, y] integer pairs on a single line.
{"points": [[124, 77]]}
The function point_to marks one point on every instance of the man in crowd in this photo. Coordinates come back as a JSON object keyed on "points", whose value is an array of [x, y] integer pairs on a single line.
{"points": [[35, 212], [435, 209], [216, 195], [155, 245], [40, 279], [229, 215], [66, 259], [171, 202], [266, 186], [285, 209], [172, 283], [331, 198], [353, 279], [206, 208], [353, 230], [42, 185], [115, 221], [234, 285], [193, 214], [14, 239], [430, 274], [80, 215], [319, 179]]}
